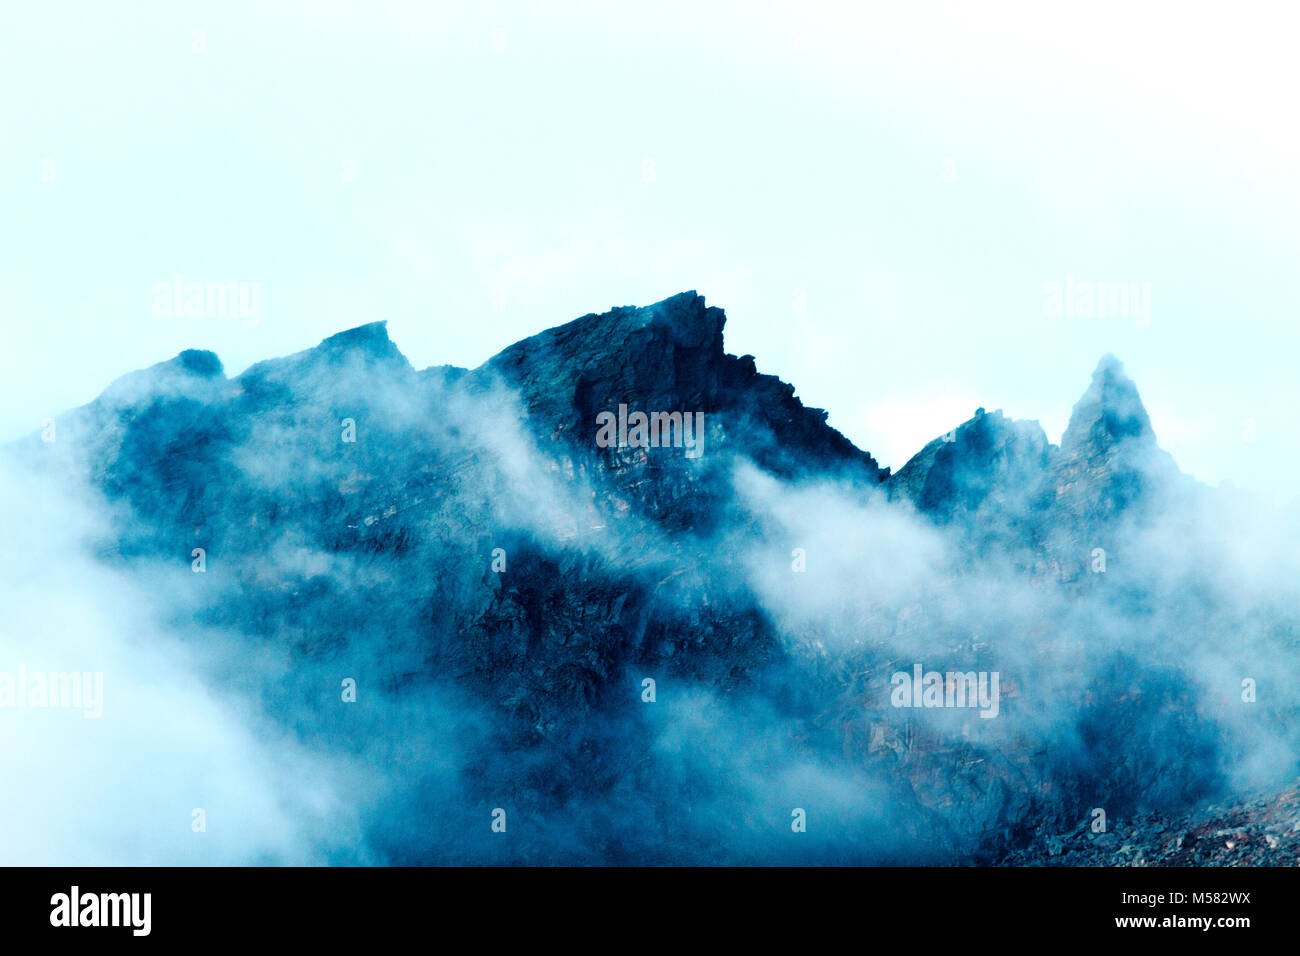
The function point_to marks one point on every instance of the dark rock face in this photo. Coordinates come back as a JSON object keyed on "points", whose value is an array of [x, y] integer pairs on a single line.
{"points": [[461, 536], [987, 473], [669, 357]]}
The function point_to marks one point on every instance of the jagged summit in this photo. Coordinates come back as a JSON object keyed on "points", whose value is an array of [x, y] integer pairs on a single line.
{"points": [[371, 337], [663, 352], [1110, 412], [685, 315], [668, 357], [364, 345], [1002, 480], [989, 458], [1110, 465]]}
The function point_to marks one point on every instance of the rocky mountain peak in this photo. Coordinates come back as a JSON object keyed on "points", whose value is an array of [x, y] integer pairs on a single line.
{"points": [[989, 459], [1110, 465], [1109, 413], [658, 356], [668, 357], [363, 347], [370, 339]]}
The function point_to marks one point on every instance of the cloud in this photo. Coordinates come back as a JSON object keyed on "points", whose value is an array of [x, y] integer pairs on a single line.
{"points": [[122, 788]]}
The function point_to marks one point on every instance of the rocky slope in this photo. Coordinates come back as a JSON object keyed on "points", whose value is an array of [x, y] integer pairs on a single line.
{"points": [[1259, 831]]}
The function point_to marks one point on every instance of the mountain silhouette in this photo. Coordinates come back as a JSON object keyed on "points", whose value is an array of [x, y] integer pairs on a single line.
{"points": [[651, 650]]}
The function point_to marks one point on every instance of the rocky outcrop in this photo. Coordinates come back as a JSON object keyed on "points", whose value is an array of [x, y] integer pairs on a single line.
{"points": [[1262, 830]]}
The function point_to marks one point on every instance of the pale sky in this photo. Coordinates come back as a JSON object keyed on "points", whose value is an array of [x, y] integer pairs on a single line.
{"points": [[879, 197]]}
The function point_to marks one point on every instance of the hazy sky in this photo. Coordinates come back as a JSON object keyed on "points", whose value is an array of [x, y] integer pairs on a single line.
{"points": [[879, 197]]}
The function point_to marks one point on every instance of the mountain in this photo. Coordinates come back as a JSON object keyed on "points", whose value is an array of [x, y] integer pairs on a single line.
{"points": [[655, 638], [987, 475], [1011, 490], [1109, 460]]}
